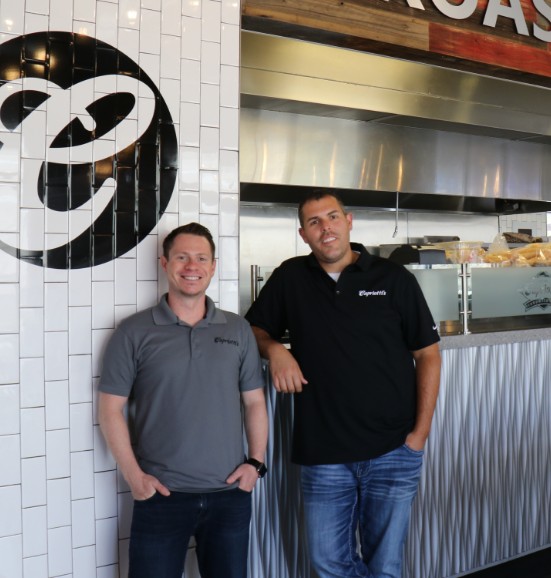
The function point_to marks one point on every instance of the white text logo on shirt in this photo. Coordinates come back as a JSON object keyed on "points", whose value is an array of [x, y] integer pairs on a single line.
{"points": [[364, 293]]}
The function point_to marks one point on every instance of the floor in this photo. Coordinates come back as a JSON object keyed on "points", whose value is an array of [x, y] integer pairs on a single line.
{"points": [[537, 565]]}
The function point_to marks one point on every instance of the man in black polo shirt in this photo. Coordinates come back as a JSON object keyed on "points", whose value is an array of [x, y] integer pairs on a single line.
{"points": [[366, 364]]}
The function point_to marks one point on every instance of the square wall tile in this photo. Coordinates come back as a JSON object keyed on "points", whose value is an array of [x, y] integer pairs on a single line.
{"points": [[84, 523], [210, 63], [59, 502], [188, 172], [9, 359], [33, 486], [125, 281], [9, 266], [35, 532], [170, 56], [11, 554], [82, 432], [190, 131], [33, 432], [80, 378], [9, 297], [58, 462], [229, 296], [9, 207], [100, 338], [231, 12], [229, 86], [84, 562], [31, 289], [229, 258], [85, 10], [230, 44], [209, 153], [57, 405], [146, 261], [229, 215], [10, 511], [10, 450], [35, 567], [31, 332], [9, 409], [229, 128], [191, 8], [60, 558], [32, 382], [150, 32], [191, 38], [209, 195], [170, 89], [56, 307], [103, 303], [190, 81], [12, 16], [210, 20], [106, 22], [147, 294], [80, 330], [82, 475], [106, 494], [80, 287], [56, 354], [106, 541], [170, 17], [210, 105]]}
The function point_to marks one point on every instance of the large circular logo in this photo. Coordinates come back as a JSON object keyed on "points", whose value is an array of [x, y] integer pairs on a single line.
{"points": [[90, 138]]}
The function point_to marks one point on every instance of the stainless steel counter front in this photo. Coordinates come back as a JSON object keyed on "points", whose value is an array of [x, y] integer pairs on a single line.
{"points": [[485, 491]]}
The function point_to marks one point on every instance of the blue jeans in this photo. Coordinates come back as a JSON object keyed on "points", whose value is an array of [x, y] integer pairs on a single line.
{"points": [[374, 497], [162, 527]]}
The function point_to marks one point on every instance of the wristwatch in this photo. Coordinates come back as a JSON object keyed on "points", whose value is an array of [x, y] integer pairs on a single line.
{"points": [[260, 468]]}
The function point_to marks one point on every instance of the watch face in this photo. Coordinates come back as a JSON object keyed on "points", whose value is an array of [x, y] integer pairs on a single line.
{"points": [[259, 466]]}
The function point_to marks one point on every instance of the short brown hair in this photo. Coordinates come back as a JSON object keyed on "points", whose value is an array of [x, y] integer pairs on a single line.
{"points": [[317, 195], [189, 229]]}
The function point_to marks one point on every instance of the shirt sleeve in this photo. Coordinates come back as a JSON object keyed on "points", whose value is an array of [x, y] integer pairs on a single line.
{"points": [[119, 365], [250, 372], [269, 311]]}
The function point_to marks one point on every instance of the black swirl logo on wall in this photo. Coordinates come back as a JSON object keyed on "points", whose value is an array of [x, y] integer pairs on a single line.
{"points": [[95, 144]]}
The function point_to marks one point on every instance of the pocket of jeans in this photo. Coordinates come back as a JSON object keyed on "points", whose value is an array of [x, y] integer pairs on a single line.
{"points": [[419, 453]]}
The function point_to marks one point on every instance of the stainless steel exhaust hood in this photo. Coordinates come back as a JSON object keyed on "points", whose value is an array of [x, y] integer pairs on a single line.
{"points": [[380, 129]]}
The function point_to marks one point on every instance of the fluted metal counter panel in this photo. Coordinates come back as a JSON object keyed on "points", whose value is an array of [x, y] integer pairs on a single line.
{"points": [[485, 492], [278, 546]]}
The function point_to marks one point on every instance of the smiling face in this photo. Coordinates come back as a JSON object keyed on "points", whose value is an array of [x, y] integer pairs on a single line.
{"points": [[326, 228], [189, 267]]}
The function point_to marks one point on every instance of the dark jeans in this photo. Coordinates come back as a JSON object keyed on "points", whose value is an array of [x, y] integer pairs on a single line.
{"points": [[162, 527]]}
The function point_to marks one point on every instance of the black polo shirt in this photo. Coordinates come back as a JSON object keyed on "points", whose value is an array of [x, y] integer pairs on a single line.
{"points": [[353, 341]]}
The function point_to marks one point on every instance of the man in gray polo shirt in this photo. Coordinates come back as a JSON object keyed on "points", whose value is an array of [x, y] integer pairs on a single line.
{"points": [[190, 375]]}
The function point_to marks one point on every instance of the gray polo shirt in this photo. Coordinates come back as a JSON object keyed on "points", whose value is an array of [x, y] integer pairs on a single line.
{"points": [[184, 385]]}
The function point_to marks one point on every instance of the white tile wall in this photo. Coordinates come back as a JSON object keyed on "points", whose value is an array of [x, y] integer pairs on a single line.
{"points": [[33, 486], [64, 509], [35, 532], [10, 510], [10, 450], [59, 502]]}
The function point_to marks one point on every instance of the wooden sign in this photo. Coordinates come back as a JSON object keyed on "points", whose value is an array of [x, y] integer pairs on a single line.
{"points": [[504, 38]]}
